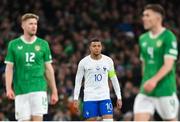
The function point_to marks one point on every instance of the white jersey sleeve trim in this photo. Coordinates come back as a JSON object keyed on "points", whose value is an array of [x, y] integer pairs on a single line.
{"points": [[49, 61], [170, 56], [8, 62]]}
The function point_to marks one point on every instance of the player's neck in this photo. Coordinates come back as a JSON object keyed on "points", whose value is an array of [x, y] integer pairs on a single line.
{"points": [[29, 38], [156, 30], [96, 57]]}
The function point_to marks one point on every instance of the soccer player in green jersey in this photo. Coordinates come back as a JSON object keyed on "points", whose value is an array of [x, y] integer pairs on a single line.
{"points": [[158, 52], [28, 65]]}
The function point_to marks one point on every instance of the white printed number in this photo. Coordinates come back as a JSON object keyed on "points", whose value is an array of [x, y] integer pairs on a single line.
{"points": [[30, 57], [109, 106], [150, 51]]}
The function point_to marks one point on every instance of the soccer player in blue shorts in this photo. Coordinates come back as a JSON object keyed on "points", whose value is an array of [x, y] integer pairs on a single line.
{"points": [[96, 68]]}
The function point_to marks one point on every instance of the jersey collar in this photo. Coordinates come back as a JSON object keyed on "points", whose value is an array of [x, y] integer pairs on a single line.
{"points": [[155, 36], [26, 42]]}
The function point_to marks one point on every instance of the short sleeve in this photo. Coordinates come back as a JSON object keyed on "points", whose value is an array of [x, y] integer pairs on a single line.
{"points": [[140, 51], [171, 49], [47, 55], [10, 55]]}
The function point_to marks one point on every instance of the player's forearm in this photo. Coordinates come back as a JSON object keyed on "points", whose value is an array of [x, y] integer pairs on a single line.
{"points": [[164, 70], [51, 79], [8, 76]]}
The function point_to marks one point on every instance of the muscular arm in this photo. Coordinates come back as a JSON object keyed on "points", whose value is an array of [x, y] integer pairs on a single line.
{"points": [[49, 73], [8, 79], [165, 69]]}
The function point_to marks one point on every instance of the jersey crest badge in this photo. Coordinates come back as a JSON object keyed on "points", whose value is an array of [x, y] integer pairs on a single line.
{"points": [[104, 68], [159, 43], [37, 47]]}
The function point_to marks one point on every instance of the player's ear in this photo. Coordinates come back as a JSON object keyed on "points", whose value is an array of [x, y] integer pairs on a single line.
{"points": [[22, 25]]}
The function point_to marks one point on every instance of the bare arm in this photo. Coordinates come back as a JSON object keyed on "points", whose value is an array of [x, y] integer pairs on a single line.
{"points": [[164, 70], [49, 73], [8, 79]]}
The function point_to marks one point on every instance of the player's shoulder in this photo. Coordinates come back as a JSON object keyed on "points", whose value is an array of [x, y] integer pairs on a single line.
{"points": [[105, 57], [85, 59], [143, 36], [40, 40], [168, 32], [14, 41]]}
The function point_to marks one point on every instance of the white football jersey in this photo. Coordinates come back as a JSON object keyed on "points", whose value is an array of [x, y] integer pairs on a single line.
{"points": [[95, 73]]}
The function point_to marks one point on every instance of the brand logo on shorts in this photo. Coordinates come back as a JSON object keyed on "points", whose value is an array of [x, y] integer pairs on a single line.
{"points": [[87, 113]]}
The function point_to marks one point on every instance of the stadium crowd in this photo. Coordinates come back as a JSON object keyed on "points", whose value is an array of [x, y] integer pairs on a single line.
{"points": [[67, 26]]}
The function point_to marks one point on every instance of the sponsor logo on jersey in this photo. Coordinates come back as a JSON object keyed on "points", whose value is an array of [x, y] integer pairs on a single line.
{"points": [[28, 64], [97, 68], [159, 43], [20, 47], [37, 47]]}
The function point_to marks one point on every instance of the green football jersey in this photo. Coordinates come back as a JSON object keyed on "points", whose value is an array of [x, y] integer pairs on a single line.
{"points": [[152, 52], [29, 64]]}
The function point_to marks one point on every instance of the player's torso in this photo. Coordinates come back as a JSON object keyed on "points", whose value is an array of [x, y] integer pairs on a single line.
{"points": [[152, 50], [28, 66], [28, 55], [96, 77]]}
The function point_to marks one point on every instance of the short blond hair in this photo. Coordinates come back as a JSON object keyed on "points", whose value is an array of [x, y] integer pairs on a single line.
{"points": [[29, 16]]}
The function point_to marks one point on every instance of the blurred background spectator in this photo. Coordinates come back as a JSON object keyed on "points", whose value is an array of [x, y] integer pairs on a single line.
{"points": [[67, 25]]}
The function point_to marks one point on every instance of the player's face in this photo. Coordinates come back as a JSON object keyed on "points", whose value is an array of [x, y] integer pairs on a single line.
{"points": [[95, 48], [30, 26], [150, 19]]}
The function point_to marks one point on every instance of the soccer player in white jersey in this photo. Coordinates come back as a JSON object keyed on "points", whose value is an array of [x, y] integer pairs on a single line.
{"points": [[96, 68]]}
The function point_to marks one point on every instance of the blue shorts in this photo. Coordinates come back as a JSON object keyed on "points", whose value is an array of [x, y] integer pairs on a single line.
{"points": [[97, 108]]}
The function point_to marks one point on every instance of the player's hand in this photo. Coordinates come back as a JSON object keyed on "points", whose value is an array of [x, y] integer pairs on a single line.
{"points": [[10, 94], [119, 103], [54, 98], [150, 85], [76, 105]]}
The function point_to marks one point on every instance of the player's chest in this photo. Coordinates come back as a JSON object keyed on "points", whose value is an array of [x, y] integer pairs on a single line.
{"points": [[97, 67], [28, 52], [152, 47]]}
